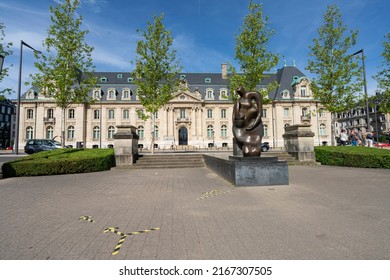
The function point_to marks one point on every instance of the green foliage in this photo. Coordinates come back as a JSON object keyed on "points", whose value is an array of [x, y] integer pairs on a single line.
{"points": [[383, 76], [353, 156], [338, 74], [251, 52], [61, 161], [68, 61], [156, 66], [5, 50]]}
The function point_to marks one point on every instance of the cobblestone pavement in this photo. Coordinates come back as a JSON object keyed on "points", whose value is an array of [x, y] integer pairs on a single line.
{"points": [[325, 213]]}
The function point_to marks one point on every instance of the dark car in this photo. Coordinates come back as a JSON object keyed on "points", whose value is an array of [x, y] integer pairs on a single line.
{"points": [[38, 145], [265, 147]]}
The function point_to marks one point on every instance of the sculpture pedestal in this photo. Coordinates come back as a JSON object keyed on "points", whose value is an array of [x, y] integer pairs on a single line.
{"points": [[299, 142], [126, 145], [250, 171]]}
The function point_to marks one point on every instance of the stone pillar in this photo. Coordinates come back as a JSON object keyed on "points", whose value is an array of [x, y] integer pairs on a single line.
{"points": [[126, 145], [299, 142]]}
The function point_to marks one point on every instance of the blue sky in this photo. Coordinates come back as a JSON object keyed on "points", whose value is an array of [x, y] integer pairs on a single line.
{"points": [[203, 30]]}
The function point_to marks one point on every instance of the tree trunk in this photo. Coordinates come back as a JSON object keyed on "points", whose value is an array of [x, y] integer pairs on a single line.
{"points": [[63, 127], [153, 124]]}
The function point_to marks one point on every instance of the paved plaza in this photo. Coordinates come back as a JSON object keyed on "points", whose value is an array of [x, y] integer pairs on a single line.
{"points": [[325, 213]]}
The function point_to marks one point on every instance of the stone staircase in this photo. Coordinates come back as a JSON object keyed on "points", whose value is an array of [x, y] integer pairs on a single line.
{"points": [[176, 160], [291, 160]]}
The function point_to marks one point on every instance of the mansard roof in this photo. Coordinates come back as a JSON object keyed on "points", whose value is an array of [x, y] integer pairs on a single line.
{"points": [[200, 82], [285, 77]]}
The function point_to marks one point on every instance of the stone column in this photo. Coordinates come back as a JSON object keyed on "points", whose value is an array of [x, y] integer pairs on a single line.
{"points": [[299, 142], [126, 145]]}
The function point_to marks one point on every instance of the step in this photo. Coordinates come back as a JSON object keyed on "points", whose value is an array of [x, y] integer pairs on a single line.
{"points": [[169, 161]]}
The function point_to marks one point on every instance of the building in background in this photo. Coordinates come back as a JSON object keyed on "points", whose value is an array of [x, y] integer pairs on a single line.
{"points": [[199, 115]]}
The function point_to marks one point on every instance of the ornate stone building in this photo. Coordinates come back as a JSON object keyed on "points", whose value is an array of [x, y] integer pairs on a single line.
{"points": [[199, 115]]}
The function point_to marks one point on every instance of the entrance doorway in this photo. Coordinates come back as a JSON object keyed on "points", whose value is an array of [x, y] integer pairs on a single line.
{"points": [[183, 136]]}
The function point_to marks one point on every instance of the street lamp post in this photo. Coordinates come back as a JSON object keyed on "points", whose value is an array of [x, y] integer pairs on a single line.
{"points": [[19, 93], [376, 121], [101, 119], [365, 88]]}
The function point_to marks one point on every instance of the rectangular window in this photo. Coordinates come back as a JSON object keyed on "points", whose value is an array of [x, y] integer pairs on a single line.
{"points": [[264, 113], [303, 91], [96, 114], [30, 113], [286, 112], [223, 113], [126, 114], [182, 113], [71, 114], [111, 114]]}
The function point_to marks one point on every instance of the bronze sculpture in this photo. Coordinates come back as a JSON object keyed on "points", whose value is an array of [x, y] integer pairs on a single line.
{"points": [[248, 128]]}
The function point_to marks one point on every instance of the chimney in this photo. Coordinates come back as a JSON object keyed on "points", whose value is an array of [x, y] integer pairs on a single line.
{"points": [[224, 70]]}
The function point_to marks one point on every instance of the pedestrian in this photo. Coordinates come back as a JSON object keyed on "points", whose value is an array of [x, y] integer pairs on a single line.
{"points": [[360, 138], [343, 137], [353, 138], [369, 140]]}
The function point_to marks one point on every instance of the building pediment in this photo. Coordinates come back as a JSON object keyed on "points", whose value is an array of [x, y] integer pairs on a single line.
{"points": [[186, 97]]}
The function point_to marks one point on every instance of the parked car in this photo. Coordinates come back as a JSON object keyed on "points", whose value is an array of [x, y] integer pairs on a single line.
{"points": [[38, 145], [265, 147]]}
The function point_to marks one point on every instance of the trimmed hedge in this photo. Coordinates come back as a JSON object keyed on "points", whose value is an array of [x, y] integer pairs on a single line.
{"points": [[353, 156], [60, 161]]}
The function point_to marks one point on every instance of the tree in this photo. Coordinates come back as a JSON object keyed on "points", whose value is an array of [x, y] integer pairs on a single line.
{"points": [[4, 51], [65, 72], [251, 52], [383, 77], [338, 80], [156, 68]]}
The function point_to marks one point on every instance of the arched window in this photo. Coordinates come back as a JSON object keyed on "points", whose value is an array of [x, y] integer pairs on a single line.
{"points": [[70, 132], [223, 113], [322, 129], [140, 132], [29, 133], [210, 131], [223, 131], [209, 113], [111, 131], [49, 132], [96, 132]]}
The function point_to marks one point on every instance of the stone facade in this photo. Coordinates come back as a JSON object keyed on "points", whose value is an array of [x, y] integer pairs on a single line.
{"points": [[199, 115]]}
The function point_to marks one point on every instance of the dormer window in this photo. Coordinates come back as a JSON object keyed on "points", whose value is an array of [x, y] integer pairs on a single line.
{"points": [[182, 77], [103, 79], [119, 76], [126, 94], [207, 80], [223, 94], [130, 80], [111, 94], [303, 92], [97, 94], [210, 94]]}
